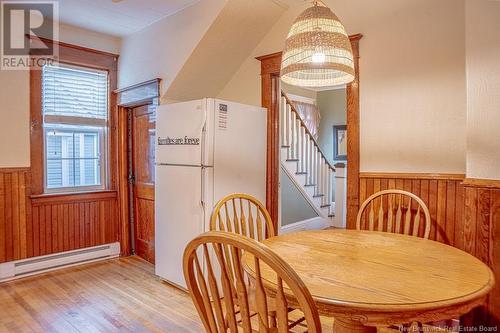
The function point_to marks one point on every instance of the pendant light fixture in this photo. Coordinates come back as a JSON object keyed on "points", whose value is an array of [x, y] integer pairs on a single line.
{"points": [[317, 51]]}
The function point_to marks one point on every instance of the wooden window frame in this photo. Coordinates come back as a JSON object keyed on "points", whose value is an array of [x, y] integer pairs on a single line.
{"points": [[103, 168], [83, 57]]}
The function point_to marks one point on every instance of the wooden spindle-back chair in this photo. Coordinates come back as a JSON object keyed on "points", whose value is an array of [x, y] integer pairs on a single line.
{"points": [[395, 211], [224, 280], [242, 214]]}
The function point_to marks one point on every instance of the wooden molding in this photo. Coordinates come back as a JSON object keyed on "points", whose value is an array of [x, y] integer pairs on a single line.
{"points": [[486, 183], [145, 93], [139, 94], [72, 197], [355, 37], [270, 71], [73, 46], [353, 138], [77, 55], [123, 201], [270, 76], [269, 56], [399, 175], [14, 169]]}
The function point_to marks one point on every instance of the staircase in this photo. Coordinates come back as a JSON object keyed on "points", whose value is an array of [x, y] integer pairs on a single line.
{"points": [[320, 183]]}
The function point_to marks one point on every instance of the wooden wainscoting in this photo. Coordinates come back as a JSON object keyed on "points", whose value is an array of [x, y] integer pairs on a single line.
{"points": [[443, 195], [36, 225], [14, 214], [465, 213], [482, 234], [68, 222]]}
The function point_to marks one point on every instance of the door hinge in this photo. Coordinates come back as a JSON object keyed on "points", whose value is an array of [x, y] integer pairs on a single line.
{"points": [[131, 178]]}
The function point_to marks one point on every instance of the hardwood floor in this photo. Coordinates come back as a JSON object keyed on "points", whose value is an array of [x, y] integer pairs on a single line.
{"points": [[119, 295]]}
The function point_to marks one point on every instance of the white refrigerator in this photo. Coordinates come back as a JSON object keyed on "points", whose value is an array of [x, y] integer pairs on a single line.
{"points": [[205, 149]]}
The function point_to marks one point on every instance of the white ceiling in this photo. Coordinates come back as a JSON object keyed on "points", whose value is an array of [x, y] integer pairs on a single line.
{"points": [[118, 19]]}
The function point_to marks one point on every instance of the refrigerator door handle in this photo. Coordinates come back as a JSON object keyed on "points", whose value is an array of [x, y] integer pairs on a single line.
{"points": [[203, 138], [202, 159], [203, 187]]}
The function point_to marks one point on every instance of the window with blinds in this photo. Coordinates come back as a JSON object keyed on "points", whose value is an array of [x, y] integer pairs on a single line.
{"points": [[75, 116]]}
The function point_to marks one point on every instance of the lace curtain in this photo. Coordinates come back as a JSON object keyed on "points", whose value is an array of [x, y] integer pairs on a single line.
{"points": [[310, 115]]}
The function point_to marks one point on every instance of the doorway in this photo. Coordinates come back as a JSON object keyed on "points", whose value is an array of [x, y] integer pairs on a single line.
{"points": [[142, 179], [137, 106], [271, 98]]}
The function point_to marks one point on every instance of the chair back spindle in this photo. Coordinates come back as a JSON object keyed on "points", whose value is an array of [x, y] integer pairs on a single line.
{"points": [[395, 211], [242, 214], [224, 299]]}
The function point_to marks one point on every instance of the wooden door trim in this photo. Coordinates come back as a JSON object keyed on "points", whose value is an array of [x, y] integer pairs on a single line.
{"points": [[144, 93], [353, 139], [142, 190], [270, 73]]}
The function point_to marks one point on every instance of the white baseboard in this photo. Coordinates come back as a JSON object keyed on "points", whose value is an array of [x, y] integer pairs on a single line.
{"points": [[316, 223], [42, 264]]}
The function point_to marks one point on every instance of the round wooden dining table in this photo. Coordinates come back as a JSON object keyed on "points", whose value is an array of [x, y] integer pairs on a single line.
{"points": [[367, 279]]}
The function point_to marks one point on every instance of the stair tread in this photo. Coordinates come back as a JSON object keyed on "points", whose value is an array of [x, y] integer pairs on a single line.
{"points": [[292, 160], [324, 206], [309, 185], [318, 195], [285, 146], [301, 173]]}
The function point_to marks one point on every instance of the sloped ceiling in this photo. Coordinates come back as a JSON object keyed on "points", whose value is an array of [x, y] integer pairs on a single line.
{"points": [[237, 30]]}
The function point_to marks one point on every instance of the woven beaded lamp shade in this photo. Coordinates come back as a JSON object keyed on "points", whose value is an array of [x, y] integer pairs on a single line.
{"points": [[317, 51]]}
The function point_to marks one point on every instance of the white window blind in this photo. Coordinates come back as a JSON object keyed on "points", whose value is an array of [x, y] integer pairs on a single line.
{"points": [[70, 91], [75, 113]]}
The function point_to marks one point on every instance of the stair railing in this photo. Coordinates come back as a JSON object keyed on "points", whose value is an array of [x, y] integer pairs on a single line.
{"points": [[304, 149]]}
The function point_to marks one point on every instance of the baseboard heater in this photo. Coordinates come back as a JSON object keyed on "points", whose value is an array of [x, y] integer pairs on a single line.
{"points": [[36, 265]]}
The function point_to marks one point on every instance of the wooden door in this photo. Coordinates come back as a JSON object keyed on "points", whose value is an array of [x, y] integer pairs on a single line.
{"points": [[143, 172]]}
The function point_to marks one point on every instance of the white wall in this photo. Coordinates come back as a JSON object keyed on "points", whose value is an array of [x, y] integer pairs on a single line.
{"points": [[90, 39], [15, 98], [332, 105], [244, 86], [160, 50], [413, 105], [14, 111], [483, 88], [294, 207], [233, 35]]}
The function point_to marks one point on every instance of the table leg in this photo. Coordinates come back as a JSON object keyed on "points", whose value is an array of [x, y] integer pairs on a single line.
{"points": [[349, 326]]}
